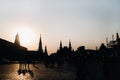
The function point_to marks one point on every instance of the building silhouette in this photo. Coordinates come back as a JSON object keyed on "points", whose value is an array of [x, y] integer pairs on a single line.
{"points": [[113, 42], [12, 51], [69, 47], [113, 46], [60, 47], [108, 55], [46, 52], [17, 40], [40, 49], [65, 53]]}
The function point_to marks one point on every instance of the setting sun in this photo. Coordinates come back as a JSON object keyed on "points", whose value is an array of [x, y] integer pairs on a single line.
{"points": [[27, 36]]}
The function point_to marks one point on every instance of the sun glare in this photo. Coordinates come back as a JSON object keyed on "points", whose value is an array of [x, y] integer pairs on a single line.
{"points": [[27, 36]]}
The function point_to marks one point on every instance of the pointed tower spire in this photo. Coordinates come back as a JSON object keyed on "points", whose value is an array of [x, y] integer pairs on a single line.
{"points": [[17, 40], [117, 36], [60, 45], [102, 47], [40, 45], [46, 50], [70, 45]]}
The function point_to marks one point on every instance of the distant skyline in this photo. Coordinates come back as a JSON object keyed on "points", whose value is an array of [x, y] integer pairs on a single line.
{"points": [[84, 22]]}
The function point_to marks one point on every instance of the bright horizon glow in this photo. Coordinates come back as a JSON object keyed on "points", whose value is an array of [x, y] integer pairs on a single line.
{"points": [[84, 22], [27, 36]]}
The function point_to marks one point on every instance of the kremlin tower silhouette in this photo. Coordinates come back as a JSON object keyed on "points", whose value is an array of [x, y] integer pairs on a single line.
{"points": [[40, 49], [17, 43], [17, 40]]}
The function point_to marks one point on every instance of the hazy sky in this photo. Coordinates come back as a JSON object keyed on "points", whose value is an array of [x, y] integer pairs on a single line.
{"points": [[84, 22]]}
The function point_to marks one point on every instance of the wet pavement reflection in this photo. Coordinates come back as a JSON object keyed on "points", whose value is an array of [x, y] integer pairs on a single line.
{"points": [[25, 71]]}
